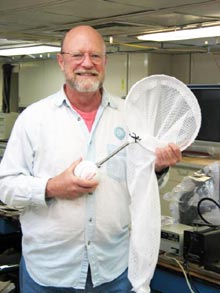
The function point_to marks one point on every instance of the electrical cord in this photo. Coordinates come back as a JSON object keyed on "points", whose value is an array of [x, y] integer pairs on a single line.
{"points": [[184, 273], [186, 266], [193, 283], [199, 211]]}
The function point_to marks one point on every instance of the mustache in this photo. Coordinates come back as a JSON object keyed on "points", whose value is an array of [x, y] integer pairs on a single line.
{"points": [[90, 72]]}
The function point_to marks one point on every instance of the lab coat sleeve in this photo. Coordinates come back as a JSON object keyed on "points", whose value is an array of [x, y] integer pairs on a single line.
{"points": [[18, 185]]}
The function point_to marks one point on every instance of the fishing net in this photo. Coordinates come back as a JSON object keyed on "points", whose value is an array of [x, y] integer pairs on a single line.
{"points": [[160, 109]]}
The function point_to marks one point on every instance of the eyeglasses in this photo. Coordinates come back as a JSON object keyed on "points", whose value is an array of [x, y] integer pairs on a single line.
{"points": [[80, 57]]}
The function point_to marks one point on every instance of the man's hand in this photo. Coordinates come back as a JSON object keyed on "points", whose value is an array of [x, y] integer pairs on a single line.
{"points": [[167, 156], [67, 185]]}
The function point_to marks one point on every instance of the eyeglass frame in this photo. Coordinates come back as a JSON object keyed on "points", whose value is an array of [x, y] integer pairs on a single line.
{"points": [[81, 56]]}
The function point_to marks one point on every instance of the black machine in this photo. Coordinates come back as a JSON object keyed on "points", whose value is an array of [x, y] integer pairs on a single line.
{"points": [[202, 246], [208, 97]]}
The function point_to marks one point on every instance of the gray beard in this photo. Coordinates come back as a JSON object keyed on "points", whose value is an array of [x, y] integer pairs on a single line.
{"points": [[86, 87]]}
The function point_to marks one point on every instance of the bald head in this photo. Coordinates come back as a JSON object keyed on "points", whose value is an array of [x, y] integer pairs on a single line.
{"points": [[82, 32]]}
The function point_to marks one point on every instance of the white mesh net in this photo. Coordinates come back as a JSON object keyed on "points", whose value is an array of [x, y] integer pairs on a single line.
{"points": [[160, 109]]}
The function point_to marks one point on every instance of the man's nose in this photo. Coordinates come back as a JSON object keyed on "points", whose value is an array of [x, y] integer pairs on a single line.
{"points": [[87, 61]]}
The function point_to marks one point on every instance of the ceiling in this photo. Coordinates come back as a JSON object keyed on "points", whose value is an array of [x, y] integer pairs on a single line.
{"points": [[46, 21]]}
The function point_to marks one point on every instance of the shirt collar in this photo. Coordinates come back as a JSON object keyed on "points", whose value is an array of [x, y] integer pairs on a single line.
{"points": [[60, 97], [107, 99]]}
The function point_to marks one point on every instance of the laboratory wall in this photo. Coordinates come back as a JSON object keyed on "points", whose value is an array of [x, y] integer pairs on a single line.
{"points": [[199, 68], [35, 80]]}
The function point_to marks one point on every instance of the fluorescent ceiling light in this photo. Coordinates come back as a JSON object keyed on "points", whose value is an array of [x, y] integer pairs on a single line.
{"points": [[185, 34], [29, 50]]}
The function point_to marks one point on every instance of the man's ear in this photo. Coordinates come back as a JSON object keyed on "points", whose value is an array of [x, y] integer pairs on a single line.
{"points": [[60, 61]]}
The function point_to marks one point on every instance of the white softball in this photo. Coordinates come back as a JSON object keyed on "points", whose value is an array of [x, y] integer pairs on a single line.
{"points": [[86, 170]]}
